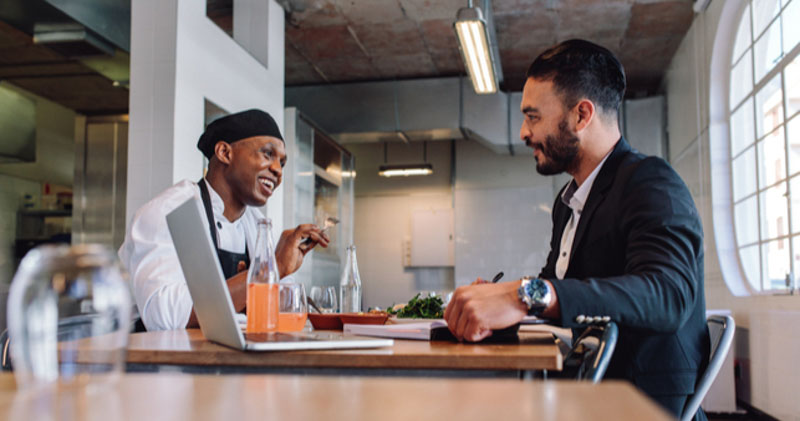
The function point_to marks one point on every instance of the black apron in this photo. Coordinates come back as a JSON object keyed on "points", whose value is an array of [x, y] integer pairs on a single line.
{"points": [[228, 260]]}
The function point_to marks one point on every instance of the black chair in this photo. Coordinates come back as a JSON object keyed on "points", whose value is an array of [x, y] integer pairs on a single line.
{"points": [[591, 353]]}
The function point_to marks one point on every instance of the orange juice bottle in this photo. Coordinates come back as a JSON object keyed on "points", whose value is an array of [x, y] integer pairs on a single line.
{"points": [[262, 283]]}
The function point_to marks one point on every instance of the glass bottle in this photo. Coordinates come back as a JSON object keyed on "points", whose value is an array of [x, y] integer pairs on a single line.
{"points": [[350, 284], [262, 283]]}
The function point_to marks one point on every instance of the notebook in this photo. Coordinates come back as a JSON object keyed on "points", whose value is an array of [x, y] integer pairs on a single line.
{"points": [[435, 330], [212, 301]]}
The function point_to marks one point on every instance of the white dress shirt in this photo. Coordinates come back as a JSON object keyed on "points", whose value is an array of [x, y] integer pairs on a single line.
{"points": [[157, 281], [574, 197]]}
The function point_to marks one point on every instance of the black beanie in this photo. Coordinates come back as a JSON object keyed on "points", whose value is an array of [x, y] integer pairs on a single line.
{"points": [[237, 127]]}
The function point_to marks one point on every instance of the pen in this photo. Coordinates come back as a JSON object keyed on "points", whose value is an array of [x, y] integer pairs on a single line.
{"points": [[497, 277]]}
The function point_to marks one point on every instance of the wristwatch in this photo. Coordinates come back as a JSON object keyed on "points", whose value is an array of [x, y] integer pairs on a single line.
{"points": [[535, 293]]}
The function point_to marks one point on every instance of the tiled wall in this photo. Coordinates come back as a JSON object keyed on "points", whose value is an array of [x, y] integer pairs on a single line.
{"points": [[766, 346]]}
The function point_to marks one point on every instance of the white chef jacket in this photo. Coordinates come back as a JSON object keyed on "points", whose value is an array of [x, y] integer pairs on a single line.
{"points": [[574, 197], [159, 287]]}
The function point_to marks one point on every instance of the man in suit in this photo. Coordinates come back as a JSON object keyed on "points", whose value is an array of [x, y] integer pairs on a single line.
{"points": [[627, 242]]}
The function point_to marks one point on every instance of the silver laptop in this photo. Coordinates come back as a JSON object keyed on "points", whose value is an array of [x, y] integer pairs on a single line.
{"points": [[212, 301]]}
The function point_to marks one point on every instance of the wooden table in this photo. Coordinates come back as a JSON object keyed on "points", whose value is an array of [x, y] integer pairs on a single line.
{"points": [[536, 352], [300, 398]]}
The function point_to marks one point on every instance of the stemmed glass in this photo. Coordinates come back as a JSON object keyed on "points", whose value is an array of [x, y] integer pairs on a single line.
{"points": [[325, 297]]}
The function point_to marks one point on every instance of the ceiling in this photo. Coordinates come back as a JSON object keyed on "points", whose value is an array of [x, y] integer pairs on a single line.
{"points": [[330, 41], [356, 40], [68, 82]]}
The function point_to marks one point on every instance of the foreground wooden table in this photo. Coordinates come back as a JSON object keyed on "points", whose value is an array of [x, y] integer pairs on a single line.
{"points": [[294, 398], [537, 352]]}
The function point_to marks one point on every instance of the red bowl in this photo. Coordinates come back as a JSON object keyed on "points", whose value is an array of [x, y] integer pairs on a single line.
{"points": [[325, 321], [364, 318]]}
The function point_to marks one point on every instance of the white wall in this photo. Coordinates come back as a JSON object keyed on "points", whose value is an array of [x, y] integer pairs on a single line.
{"points": [[766, 345], [644, 124], [382, 219], [179, 58], [502, 212], [501, 207], [381, 226]]}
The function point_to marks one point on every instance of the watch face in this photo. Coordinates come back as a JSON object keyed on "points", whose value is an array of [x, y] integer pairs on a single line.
{"points": [[537, 290]]}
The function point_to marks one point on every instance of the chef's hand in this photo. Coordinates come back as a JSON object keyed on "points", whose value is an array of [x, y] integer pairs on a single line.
{"points": [[477, 309], [292, 246]]}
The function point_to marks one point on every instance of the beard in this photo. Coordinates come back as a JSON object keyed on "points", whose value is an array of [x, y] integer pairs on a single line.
{"points": [[559, 152]]}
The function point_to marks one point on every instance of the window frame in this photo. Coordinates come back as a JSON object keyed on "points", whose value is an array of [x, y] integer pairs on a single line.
{"points": [[720, 136]]}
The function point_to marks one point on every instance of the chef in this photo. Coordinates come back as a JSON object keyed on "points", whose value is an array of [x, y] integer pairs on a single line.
{"points": [[246, 156]]}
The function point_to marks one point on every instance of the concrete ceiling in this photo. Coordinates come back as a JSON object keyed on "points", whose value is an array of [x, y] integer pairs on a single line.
{"points": [[68, 82], [356, 40], [329, 41]]}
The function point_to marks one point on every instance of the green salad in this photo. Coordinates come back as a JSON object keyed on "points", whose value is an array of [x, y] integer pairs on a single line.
{"points": [[421, 308]]}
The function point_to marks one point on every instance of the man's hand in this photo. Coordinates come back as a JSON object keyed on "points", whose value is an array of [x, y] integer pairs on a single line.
{"points": [[479, 281], [292, 246], [476, 309]]}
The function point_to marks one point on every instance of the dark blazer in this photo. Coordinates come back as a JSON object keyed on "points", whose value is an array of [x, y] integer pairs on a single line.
{"points": [[637, 257]]}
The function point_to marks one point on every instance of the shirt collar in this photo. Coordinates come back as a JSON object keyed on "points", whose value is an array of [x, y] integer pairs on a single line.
{"points": [[217, 205], [574, 196]]}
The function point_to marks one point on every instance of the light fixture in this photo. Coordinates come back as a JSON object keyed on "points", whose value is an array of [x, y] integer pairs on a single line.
{"points": [[386, 170], [473, 42], [405, 170]]}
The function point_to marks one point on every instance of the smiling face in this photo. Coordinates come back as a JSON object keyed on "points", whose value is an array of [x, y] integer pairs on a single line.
{"points": [[545, 128], [255, 169]]}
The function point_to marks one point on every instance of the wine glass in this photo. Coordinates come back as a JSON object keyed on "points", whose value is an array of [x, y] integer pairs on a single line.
{"points": [[325, 298], [292, 307]]}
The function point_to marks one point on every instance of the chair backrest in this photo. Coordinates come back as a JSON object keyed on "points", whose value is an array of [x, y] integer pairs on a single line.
{"points": [[5, 352], [720, 329], [590, 362]]}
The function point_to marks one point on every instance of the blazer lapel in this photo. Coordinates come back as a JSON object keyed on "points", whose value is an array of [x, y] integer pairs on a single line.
{"points": [[561, 214], [600, 187]]}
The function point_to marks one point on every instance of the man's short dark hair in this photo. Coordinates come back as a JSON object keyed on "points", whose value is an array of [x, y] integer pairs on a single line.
{"points": [[581, 69]]}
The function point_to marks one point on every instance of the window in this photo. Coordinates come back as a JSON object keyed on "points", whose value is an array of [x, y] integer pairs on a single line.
{"points": [[764, 100]]}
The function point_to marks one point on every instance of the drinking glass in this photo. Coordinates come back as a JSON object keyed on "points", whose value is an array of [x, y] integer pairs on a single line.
{"points": [[59, 296], [292, 307], [325, 298]]}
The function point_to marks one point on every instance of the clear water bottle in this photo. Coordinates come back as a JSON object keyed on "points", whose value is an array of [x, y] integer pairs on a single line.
{"points": [[350, 284], [60, 296], [262, 283]]}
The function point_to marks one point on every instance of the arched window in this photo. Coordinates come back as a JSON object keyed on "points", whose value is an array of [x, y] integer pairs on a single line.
{"points": [[764, 144]]}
